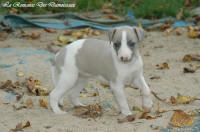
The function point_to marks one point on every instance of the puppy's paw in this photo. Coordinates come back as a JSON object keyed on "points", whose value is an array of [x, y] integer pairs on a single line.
{"points": [[126, 112], [147, 103], [60, 112]]}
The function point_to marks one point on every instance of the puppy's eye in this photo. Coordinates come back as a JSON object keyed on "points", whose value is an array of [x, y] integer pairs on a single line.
{"points": [[117, 45], [131, 44]]}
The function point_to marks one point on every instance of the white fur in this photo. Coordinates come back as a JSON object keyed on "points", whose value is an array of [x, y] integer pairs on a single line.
{"points": [[125, 72], [124, 50]]}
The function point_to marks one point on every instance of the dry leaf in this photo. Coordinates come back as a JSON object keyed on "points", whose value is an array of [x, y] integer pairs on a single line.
{"points": [[29, 103], [180, 14], [43, 102], [153, 27], [173, 100], [191, 57], [96, 33], [3, 35], [192, 34], [166, 25], [18, 127], [128, 118], [34, 35], [105, 85], [135, 108], [40, 90], [6, 84], [155, 77], [90, 111], [28, 124], [68, 33], [114, 17], [163, 65], [169, 31], [77, 34], [20, 74], [188, 70], [181, 119], [184, 99], [64, 40], [50, 30]]}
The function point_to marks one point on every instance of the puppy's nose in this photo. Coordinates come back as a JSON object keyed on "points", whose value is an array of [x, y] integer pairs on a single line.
{"points": [[124, 58]]}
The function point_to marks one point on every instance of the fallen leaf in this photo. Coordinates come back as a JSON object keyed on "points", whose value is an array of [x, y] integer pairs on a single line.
{"points": [[68, 33], [28, 124], [105, 85], [173, 100], [155, 77], [96, 33], [128, 118], [188, 70], [153, 127], [34, 35], [180, 14], [18, 127], [20, 74], [43, 102], [6, 84], [29, 103], [191, 57], [77, 34], [64, 40], [163, 65], [181, 119], [184, 99], [166, 25], [169, 31], [192, 34], [114, 17], [90, 111], [50, 30], [135, 108], [153, 27], [41, 91]]}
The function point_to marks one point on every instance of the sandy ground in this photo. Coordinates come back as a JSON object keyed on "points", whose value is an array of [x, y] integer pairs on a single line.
{"points": [[170, 49]]}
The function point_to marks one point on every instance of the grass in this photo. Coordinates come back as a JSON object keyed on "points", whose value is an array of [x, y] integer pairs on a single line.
{"points": [[142, 9]]}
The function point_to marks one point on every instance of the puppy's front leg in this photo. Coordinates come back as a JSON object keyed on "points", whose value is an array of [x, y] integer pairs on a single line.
{"points": [[146, 93], [118, 90]]}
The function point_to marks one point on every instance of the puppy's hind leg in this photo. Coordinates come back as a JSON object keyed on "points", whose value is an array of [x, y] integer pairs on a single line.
{"points": [[75, 91], [66, 81]]}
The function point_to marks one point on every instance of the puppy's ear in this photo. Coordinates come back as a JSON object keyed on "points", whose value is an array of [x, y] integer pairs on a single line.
{"points": [[139, 33], [111, 33]]}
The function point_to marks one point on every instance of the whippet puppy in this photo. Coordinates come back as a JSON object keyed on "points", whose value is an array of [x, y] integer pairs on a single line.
{"points": [[116, 61]]}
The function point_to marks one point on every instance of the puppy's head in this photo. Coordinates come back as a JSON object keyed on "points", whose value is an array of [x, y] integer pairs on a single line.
{"points": [[124, 41]]}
